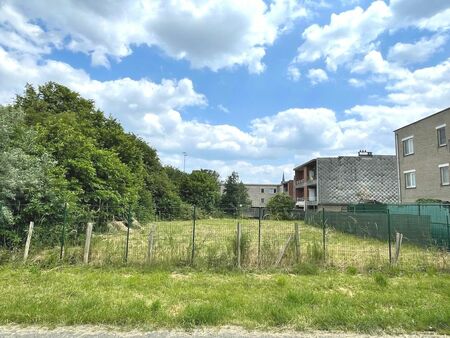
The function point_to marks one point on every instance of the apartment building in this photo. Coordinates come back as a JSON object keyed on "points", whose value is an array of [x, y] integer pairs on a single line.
{"points": [[260, 194], [423, 156], [287, 187], [333, 182]]}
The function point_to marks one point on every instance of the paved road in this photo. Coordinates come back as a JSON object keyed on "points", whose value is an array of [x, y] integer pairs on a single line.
{"points": [[225, 332]]}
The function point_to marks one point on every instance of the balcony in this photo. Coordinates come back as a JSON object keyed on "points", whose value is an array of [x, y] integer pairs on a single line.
{"points": [[311, 181], [300, 202], [299, 183]]}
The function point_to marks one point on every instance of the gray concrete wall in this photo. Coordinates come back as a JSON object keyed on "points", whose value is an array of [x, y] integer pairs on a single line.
{"points": [[347, 179], [426, 158]]}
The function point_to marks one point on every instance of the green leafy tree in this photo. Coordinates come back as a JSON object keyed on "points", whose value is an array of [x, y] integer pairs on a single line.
{"points": [[235, 194], [32, 187], [280, 206], [202, 189]]}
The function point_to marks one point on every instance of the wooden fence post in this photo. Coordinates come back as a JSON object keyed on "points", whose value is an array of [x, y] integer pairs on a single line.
{"points": [[238, 244], [27, 244], [150, 243], [87, 244], [398, 245], [283, 251]]}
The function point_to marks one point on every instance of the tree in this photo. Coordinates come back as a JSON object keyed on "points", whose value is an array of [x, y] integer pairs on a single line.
{"points": [[32, 187], [280, 206], [235, 194], [202, 189]]}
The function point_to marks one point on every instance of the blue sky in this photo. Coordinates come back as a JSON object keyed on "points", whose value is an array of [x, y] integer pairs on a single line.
{"points": [[252, 86]]}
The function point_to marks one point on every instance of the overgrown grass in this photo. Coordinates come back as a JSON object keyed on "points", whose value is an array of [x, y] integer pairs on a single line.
{"points": [[146, 298], [215, 248]]}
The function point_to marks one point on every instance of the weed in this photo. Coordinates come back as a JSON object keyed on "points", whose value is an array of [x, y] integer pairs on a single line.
{"points": [[155, 307], [380, 279], [281, 281], [201, 314], [306, 269], [351, 270], [315, 252]]}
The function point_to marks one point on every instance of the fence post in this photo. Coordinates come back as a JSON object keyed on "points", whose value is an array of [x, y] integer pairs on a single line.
{"points": [[297, 243], [324, 234], [193, 236], [27, 244], [63, 232], [448, 235], [87, 244], [150, 243], [128, 232], [259, 237], [398, 245], [389, 235], [238, 245]]}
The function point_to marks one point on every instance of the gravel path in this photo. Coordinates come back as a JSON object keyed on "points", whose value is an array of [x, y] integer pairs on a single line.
{"points": [[223, 332]]}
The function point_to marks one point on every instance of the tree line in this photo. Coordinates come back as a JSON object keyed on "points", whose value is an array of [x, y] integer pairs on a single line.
{"points": [[60, 156]]}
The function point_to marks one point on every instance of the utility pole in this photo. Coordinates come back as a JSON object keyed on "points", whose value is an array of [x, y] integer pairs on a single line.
{"points": [[184, 161]]}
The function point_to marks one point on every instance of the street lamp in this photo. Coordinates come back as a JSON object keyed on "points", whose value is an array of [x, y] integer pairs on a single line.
{"points": [[184, 161]]}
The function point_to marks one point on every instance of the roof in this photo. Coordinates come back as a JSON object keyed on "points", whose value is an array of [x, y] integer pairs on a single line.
{"points": [[333, 157], [439, 112], [306, 163]]}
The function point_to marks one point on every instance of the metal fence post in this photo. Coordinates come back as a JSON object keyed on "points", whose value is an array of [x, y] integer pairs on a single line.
{"points": [[297, 242], [389, 235], [193, 236], [259, 236], [238, 244], [63, 232], [448, 235], [128, 232], [324, 234]]}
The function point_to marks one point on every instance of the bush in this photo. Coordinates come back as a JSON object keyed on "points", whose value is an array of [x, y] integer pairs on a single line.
{"points": [[280, 206]]}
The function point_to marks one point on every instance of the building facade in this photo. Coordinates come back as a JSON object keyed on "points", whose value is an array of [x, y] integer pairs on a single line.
{"points": [[333, 182], [423, 156], [287, 187], [260, 194]]}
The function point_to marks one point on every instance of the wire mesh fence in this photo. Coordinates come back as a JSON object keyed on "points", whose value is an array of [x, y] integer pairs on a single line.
{"points": [[248, 238]]}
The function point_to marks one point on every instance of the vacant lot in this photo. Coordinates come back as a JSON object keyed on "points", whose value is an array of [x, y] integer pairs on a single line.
{"points": [[274, 244], [142, 298]]}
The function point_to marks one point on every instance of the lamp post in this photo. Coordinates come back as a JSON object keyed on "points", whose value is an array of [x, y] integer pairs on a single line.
{"points": [[184, 161]]}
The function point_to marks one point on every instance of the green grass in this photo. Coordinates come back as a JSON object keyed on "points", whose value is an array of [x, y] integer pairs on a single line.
{"points": [[215, 248], [146, 298]]}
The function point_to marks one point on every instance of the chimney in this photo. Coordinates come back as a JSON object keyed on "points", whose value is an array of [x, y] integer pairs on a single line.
{"points": [[364, 153]]}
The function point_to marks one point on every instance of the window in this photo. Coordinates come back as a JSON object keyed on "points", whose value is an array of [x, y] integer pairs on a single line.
{"points": [[442, 138], [275, 190], [262, 190], [445, 178], [408, 146], [410, 179], [262, 200]]}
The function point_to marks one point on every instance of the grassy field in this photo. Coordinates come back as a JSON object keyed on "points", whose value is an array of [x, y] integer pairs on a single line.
{"points": [[215, 247], [351, 288], [146, 298]]}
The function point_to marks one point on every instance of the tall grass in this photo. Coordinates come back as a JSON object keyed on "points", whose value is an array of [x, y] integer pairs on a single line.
{"points": [[215, 248]]}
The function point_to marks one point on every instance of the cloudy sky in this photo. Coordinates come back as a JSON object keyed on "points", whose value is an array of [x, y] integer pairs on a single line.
{"points": [[253, 86]]}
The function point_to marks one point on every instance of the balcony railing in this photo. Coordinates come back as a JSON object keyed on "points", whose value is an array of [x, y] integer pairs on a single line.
{"points": [[300, 182]]}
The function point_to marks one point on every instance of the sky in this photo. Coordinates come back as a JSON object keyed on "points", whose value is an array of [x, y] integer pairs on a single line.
{"points": [[252, 86]]}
